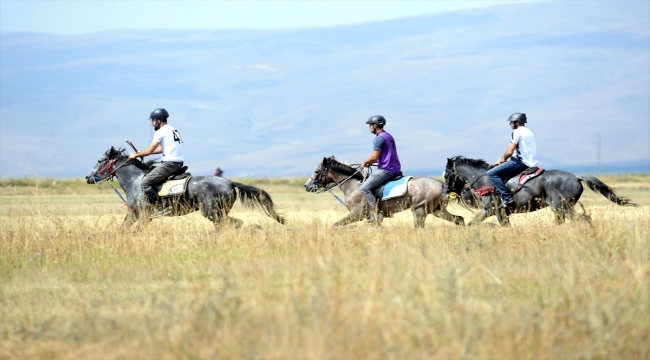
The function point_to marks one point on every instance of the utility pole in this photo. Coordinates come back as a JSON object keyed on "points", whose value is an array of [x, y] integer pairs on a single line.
{"points": [[599, 155]]}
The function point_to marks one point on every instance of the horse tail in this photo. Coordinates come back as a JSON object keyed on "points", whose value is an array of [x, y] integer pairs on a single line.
{"points": [[252, 197], [600, 187]]}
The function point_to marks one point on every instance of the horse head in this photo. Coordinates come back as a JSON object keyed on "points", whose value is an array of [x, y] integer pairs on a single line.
{"points": [[461, 171], [105, 165], [454, 183], [321, 176]]}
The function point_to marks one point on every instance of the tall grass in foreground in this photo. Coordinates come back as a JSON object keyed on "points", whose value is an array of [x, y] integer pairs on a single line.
{"points": [[76, 287]]}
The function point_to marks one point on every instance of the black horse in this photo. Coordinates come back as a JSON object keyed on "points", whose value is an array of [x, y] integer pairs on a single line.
{"points": [[214, 196], [560, 190]]}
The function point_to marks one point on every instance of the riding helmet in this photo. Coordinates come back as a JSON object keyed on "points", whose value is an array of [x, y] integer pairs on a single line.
{"points": [[377, 119], [159, 113], [519, 117]]}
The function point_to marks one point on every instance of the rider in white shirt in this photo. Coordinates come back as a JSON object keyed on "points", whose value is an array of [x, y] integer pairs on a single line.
{"points": [[167, 140], [521, 154]]}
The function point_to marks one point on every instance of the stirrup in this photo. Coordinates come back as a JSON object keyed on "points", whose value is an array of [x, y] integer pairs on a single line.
{"points": [[508, 207]]}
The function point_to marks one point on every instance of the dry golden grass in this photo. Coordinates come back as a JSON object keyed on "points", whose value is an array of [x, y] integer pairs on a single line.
{"points": [[73, 286]]}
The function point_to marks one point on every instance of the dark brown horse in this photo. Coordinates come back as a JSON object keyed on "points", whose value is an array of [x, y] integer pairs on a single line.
{"points": [[424, 195]]}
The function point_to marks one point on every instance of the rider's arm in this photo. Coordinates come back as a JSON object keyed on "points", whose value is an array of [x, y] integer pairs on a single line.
{"points": [[372, 159], [508, 154], [154, 148]]}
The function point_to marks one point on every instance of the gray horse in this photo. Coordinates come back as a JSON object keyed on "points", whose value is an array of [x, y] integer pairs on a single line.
{"points": [[214, 196], [424, 195], [557, 189]]}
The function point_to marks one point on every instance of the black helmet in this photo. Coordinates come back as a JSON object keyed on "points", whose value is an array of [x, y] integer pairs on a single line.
{"points": [[377, 119], [519, 117], [159, 113]]}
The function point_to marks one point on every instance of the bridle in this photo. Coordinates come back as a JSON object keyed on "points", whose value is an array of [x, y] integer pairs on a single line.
{"points": [[111, 171], [479, 192], [322, 176]]}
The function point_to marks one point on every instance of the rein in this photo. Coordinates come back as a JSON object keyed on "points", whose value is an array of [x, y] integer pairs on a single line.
{"points": [[337, 184]]}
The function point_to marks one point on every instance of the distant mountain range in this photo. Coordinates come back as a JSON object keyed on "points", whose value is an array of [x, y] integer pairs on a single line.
{"points": [[273, 103]]}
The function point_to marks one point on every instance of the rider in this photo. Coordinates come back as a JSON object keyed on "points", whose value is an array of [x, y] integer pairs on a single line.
{"points": [[384, 153], [522, 154], [166, 140]]}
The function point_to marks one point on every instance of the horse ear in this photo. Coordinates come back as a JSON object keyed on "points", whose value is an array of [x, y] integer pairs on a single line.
{"points": [[324, 160]]}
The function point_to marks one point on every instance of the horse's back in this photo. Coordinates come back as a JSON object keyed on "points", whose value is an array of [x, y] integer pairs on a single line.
{"points": [[425, 189], [210, 186]]}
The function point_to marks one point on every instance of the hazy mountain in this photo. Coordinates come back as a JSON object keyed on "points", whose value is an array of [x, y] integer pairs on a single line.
{"points": [[275, 102]]}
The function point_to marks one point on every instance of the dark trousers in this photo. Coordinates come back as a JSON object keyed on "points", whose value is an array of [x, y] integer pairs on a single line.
{"points": [[503, 172], [157, 176], [375, 180]]}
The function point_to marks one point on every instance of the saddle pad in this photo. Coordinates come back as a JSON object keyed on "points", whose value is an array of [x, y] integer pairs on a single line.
{"points": [[396, 188], [173, 187], [514, 184]]}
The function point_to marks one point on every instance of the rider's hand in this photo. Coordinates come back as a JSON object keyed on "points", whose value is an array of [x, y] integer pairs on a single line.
{"points": [[132, 156]]}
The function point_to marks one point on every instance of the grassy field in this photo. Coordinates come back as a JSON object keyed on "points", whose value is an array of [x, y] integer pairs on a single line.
{"points": [[73, 286]]}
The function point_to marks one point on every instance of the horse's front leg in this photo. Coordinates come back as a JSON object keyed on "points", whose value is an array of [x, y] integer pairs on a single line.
{"points": [[352, 216], [486, 212], [129, 219]]}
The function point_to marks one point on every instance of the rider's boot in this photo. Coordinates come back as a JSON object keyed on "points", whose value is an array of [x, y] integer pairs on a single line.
{"points": [[509, 207], [376, 216]]}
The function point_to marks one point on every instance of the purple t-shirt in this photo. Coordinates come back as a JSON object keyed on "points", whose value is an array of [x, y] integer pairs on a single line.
{"points": [[388, 160]]}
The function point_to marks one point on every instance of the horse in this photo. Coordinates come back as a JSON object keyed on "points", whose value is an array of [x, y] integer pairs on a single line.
{"points": [[213, 196], [424, 195], [557, 189]]}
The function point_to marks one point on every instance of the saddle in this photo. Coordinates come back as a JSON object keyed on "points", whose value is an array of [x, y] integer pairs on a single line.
{"points": [[176, 183], [515, 183], [396, 187]]}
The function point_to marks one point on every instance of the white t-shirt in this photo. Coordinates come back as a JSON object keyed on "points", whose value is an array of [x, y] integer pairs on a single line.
{"points": [[171, 142], [526, 149]]}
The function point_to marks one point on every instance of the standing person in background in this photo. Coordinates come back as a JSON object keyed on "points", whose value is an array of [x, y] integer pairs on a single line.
{"points": [[217, 172]]}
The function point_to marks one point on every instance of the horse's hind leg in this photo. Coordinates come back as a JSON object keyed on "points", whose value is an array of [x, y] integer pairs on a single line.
{"points": [[560, 208], [575, 216], [419, 216]]}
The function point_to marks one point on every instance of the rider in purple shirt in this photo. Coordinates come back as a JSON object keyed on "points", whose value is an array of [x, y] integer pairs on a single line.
{"points": [[384, 153]]}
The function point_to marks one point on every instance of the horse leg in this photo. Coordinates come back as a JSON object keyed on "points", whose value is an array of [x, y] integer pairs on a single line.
{"points": [[502, 216], [349, 218], [558, 205], [419, 216], [211, 210], [446, 215], [129, 219]]}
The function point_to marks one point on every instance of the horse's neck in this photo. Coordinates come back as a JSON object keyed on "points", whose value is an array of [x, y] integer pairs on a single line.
{"points": [[349, 186], [130, 179], [472, 175]]}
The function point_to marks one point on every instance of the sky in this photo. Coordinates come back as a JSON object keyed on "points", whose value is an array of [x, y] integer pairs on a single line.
{"points": [[273, 101], [80, 17]]}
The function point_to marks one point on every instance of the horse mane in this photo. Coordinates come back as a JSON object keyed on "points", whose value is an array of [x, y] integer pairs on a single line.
{"points": [[344, 169], [119, 153], [476, 164]]}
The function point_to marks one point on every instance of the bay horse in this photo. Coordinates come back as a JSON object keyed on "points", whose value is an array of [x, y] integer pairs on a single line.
{"points": [[557, 189], [424, 195], [213, 196]]}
